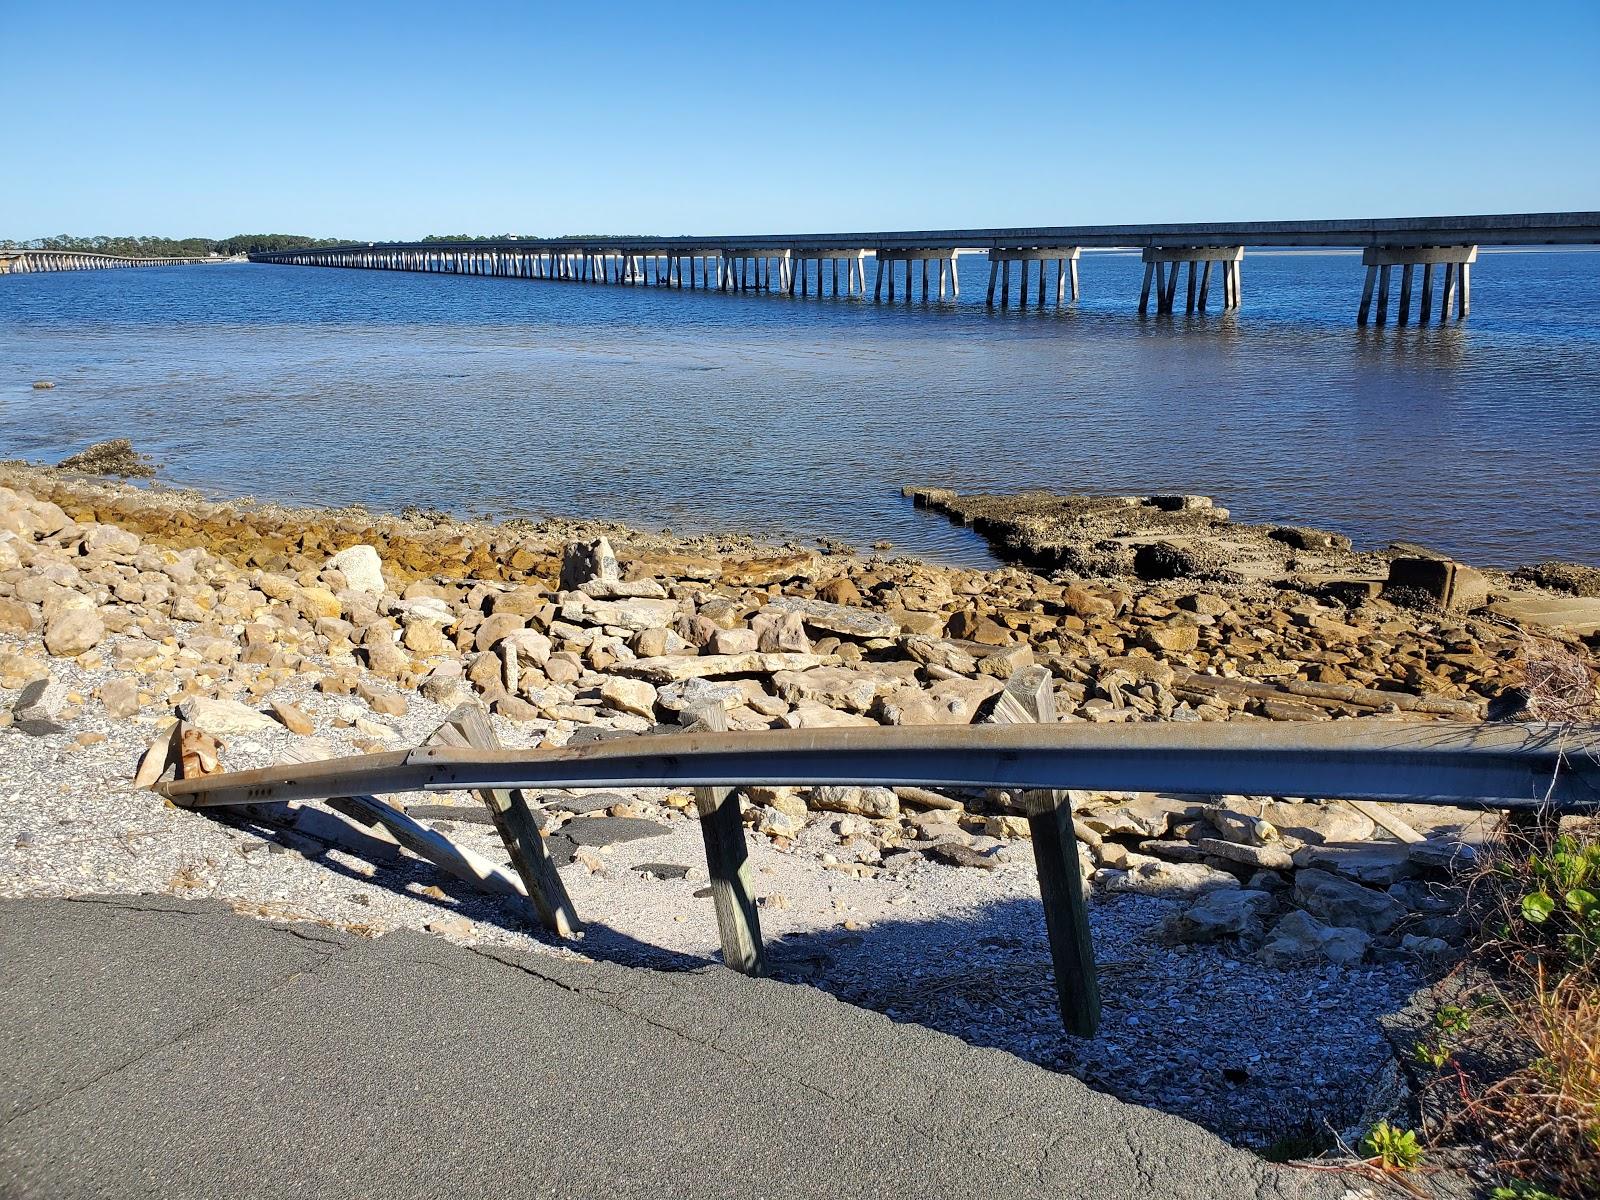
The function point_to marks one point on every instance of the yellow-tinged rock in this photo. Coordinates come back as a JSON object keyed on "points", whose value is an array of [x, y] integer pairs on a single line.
{"points": [[316, 602]]}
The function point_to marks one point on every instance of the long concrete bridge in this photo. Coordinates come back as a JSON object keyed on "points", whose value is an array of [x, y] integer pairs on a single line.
{"points": [[1039, 264], [25, 262]]}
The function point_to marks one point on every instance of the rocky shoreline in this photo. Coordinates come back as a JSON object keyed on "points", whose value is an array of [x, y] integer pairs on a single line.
{"points": [[310, 633]]}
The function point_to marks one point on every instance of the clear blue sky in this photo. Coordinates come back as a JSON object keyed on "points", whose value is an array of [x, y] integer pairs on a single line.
{"points": [[401, 119]]}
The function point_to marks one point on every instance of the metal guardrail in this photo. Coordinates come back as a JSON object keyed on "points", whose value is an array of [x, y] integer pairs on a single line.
{"points": [[1499, 766], [1519, 767]]}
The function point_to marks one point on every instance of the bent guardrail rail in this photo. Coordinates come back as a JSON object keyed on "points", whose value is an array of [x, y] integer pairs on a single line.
{"points": [[1516, 767]]}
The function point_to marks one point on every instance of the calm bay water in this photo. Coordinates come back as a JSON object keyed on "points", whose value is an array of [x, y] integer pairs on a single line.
{"points": [[805, 417]]}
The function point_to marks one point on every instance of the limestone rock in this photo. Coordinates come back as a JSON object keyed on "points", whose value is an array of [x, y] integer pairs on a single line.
{"points": [[1224, 912], [1300, 936], [1172, 637], [1081, 602], [564, 667], [222, 717], [582, 562], [16, 616], [389, 704], [711, 666], [835, 687], [1241, 827], [1007, 661], [1269, 858], [424, 637], [808, 714], [1344, 902], [876, 802], [786, 800], [734, 641], [657, 643], [940, 653], [842, 620], [515, 708], [690, 695], [948, 702], [974, 627], [495, 627], [840, 591], [361, 567], [120, 697], [446, 684], [73, 631], [769, 569], [292, 718], [785, 634], [313, 602], [617, 589], [629, 696], [1153, 877], [630, 614], [1007, 827], [1318, 821]]}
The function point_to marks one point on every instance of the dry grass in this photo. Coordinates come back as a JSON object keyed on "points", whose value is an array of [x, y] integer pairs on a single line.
{"points": [[1544, 1118], [1516, 1060], [1558, 681]]}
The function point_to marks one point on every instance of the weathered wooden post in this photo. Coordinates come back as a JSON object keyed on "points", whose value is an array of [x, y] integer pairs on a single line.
{"points": [[727, 861], [469, 725], [1029, 698]]}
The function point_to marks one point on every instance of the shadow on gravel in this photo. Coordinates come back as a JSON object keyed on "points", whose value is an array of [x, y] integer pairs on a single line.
{"points": [[1254, 1053], [412, 877]]}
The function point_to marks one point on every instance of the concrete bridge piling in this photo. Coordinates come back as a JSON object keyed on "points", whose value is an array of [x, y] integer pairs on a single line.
{"points": [[1197, 256], [910, 259], [1162, 265], [28, 262], [1066, 267], [1456, 288]]}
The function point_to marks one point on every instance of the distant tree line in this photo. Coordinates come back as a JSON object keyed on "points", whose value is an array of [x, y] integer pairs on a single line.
{"points": [[160, 247], [480, 237]]}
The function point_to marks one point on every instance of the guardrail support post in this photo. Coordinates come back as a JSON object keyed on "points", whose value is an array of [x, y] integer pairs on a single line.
{"points": [[1029, 698], [1066, 914], [727, 862], [513, 820]]}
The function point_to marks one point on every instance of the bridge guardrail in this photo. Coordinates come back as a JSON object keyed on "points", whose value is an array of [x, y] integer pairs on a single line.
{"points": [[1517, 767]]}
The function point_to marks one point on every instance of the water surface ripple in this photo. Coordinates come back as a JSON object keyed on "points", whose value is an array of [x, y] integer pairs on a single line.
{"points": [[804, 417]]}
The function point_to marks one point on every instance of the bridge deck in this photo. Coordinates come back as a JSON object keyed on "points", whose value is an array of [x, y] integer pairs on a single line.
{"points": [[1512, 229]]}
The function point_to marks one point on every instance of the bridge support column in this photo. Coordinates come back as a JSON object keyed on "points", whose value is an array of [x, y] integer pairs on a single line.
{"points": [[1380, 262], [808, 265], [1162, 265], [946, 258], [1066, 270]]}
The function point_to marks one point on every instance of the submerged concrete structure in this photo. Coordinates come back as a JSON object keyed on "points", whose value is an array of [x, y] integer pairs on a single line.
{"points": [[1380, 261], [1163, 264], [27, 262], [1044, 259]]}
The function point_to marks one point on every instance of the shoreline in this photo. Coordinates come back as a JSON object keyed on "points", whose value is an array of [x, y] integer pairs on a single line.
{"points": [[306, 633], [1024, 529]]}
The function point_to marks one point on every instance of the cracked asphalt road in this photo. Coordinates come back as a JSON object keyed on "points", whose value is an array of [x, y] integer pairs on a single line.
{"points": [[159, 1047]]}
